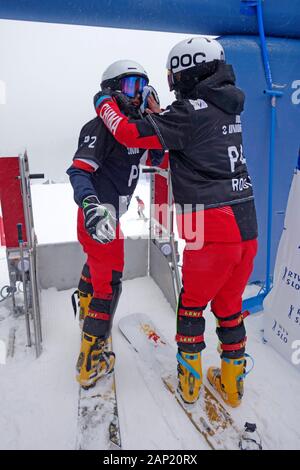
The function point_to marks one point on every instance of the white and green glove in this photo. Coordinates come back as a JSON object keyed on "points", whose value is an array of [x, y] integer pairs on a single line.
{"points": [[98, 220]]}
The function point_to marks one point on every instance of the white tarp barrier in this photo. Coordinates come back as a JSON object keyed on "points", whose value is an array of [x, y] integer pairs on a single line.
{"points": [[282, 305]]}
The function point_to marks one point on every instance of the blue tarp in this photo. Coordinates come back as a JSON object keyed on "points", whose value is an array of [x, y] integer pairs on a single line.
{"points": [[214, 17], [245, 54]]}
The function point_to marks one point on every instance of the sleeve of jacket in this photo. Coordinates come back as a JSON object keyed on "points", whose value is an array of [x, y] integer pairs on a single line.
{"points": [[127, 131], [173, 126], [82, 184], [170, 129], [87, 160], [90, 144]]}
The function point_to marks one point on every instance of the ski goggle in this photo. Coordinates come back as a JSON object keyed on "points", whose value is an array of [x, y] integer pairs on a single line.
{"points": [[131, 86], [171, 82]]}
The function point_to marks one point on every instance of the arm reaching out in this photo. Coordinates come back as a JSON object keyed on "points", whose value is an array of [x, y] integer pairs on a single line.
{"points": [[126, 131], [171, 129]]}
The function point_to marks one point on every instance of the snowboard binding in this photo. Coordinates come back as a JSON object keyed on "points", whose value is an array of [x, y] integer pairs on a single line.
{"points": [[250, 438]]}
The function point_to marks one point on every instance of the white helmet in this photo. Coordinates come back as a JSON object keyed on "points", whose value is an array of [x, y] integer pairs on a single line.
{"points": [[191, 53], [120, 69]]}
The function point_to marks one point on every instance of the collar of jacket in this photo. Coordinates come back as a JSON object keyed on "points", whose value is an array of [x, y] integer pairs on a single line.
{"points": [[220, 90]]}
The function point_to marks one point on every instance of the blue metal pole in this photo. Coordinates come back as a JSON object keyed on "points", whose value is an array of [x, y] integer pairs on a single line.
{"points": [[264, 48], [270, 194], [273, 96], [269, 91]]}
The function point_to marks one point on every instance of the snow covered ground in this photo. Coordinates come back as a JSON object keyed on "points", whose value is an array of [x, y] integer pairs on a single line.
{"points": [[38, 397]]}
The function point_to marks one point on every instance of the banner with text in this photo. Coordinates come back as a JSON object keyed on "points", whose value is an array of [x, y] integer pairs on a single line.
{"points": [[282, 305]]}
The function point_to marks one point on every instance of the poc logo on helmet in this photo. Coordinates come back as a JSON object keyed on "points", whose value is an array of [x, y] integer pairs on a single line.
{"points": [[187, 60]]}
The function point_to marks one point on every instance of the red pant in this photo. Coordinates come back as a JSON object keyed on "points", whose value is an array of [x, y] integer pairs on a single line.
{"points": [[102, 259], [218, 273]]}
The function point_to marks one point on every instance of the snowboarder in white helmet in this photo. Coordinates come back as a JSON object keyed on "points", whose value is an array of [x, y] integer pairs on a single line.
{"points": [[191, 61], [203, 132], [104, 175]]}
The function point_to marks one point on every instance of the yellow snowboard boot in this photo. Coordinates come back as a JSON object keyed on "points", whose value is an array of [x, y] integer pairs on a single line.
{"points": [[84, 295], [81, 301], [229, 380], [189, 375], [95, 360], [84, 302]]}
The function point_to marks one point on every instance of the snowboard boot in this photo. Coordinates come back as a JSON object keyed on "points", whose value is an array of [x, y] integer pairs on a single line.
{"points": [[189, 375], [84, 302], [228, 381], [84, 295], [80, 302], [95, 360]]}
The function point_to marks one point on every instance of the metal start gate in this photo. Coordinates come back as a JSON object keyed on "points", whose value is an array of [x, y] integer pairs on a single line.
{"points": [[26, 259], [163, 254], [21, 245]]}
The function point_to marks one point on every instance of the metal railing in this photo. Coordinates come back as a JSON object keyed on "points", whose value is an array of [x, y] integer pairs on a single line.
{"points": [[162, 234], [22, 264]]}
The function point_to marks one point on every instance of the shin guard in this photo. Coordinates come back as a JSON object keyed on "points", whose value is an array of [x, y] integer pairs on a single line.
{"points": [[99, 319], [232, 335], [190, 328]]}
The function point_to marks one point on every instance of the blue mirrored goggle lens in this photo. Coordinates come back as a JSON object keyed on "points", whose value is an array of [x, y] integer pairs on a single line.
{"points": [[132, 85]]}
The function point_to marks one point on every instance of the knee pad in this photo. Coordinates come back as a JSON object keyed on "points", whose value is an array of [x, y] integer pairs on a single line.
{"points": [[232, 335], [190, 329]]}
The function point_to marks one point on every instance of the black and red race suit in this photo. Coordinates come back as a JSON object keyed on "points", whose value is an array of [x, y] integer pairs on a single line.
{"points": [[203, 134], [109, 170]]}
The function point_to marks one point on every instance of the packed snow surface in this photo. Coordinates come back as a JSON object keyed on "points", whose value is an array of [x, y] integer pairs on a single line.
{"points": [[39, 397]]}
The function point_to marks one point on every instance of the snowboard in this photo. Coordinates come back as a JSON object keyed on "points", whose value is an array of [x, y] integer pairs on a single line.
{"points": [[98, 421], [208, 414]]}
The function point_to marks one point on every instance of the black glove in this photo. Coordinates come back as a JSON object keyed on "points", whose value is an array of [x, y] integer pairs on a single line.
{"points": [[125, 105], [98, 220]]}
